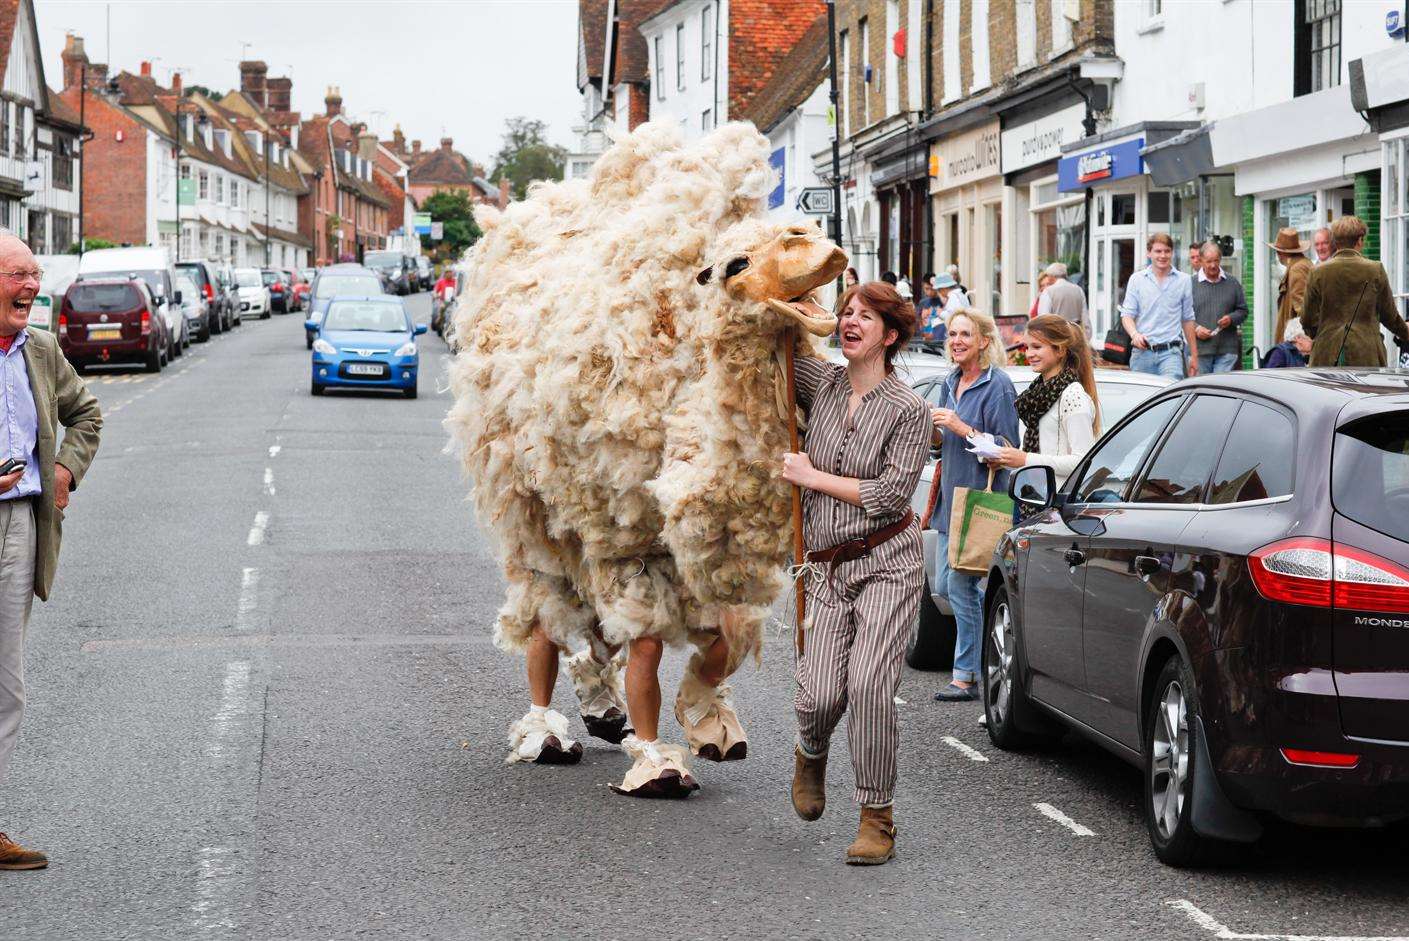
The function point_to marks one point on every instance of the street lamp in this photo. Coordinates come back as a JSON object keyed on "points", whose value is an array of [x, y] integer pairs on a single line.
{"points": [[201, 121]]}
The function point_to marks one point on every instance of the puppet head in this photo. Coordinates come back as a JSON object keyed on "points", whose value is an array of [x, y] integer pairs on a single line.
{"points": [[775, 265]]}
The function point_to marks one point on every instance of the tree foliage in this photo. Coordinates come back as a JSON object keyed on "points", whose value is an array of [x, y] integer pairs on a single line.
{"points": [[454, 210], [526, 156]]}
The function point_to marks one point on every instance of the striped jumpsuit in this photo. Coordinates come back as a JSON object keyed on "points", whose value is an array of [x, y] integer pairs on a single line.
{"points": [[860, 618]]}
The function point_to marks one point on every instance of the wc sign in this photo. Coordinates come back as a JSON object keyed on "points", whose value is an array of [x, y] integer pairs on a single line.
{"points": [[1100, 165]]}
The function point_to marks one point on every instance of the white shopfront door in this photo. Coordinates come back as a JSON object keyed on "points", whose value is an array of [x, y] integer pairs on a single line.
{"points": [[1113, 252]]}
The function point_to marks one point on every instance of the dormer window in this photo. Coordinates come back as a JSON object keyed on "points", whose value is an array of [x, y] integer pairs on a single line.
{"points": [[222, 139], [207, 135]]}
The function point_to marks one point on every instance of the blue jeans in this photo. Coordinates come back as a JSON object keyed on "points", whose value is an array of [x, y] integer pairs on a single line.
{"points": [[965, 595], [1168, 362], [1223, 362]]}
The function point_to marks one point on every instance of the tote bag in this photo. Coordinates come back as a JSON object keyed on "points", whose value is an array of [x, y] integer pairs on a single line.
{"points": [[977, 520]]}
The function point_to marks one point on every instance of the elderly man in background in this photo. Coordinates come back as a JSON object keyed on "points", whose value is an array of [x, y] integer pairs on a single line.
{"points": [[1063, 298], [39, 388], [1321, 246], [1348, 299], [1220, 307], [1291, 290]]}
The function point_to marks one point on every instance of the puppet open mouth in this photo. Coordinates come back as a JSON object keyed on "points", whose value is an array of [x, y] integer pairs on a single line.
{"points": [[816, 320]]}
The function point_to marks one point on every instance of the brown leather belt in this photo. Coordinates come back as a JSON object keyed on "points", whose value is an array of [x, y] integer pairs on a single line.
{"points": [[862, 546]]}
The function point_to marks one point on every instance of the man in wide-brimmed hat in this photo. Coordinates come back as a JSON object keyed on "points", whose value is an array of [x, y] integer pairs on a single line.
{"points": [[1348, 300], [1291, 252]]}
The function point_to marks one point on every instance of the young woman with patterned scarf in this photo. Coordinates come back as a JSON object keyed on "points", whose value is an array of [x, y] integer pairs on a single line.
{"points": [[1060, 415]]}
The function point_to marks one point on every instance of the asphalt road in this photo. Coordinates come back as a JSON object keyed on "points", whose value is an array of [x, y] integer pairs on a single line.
{"points": [[264, 705]]}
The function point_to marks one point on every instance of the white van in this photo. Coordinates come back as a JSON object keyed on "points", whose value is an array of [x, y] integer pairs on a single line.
{"points": [[153, 265]]}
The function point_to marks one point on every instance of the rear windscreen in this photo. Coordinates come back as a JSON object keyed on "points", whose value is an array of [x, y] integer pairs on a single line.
{"points": [[1370, 473], [101, 298]]}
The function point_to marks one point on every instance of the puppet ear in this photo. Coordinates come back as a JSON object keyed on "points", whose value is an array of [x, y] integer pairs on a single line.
{"points": [[704, 276]]}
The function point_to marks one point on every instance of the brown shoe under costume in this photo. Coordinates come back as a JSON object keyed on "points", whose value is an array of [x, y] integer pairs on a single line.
{"points": [[875, 838], [14, 856], [809, 785]]}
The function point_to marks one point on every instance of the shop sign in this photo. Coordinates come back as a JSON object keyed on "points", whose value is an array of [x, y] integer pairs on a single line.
{"points": [[966, 158], [1025, 145], [1101, 165], [1299, 211]]}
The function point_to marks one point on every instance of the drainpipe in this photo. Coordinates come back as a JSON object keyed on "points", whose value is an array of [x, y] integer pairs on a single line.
{"points": [[836, 125], [715, 70]]}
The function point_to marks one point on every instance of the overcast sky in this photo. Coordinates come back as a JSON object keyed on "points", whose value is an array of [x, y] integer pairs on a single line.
{"points": [[436, 67]]}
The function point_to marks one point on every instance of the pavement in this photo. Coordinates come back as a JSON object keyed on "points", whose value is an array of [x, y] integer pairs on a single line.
{"points": [[264, 705]]}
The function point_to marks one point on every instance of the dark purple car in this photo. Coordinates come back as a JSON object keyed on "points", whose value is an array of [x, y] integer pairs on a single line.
{"points": [[1220, 595]]}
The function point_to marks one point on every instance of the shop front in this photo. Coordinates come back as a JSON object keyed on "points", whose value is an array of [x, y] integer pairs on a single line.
{"points": [[966, 197], [895, 170], [1046, 225], [1124, 208]]}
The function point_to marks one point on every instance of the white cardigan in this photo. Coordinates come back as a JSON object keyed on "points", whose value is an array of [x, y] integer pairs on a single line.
{"points": [[1064, 432]]}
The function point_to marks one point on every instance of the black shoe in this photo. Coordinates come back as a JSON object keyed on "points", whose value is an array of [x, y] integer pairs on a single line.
{"points": [[952, 693]]}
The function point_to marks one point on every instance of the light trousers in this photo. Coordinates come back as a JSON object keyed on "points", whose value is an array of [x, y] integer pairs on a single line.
{"points": [[17, 543]]}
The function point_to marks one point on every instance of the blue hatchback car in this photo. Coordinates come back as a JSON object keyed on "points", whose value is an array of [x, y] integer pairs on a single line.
{"points": [[365, 343]]}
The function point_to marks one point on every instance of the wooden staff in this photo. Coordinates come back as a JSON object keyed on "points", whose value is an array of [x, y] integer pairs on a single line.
{"points": [[799, 549]]}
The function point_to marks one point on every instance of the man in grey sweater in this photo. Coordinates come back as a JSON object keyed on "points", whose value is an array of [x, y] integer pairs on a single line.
{"points": [[1220, 307]]}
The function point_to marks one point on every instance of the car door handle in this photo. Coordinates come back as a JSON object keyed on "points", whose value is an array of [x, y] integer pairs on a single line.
{"points": [[1074, 556], [1146, 565]]}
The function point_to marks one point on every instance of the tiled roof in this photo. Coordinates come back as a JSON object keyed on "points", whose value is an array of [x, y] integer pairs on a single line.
{"points": [[443, 166], [592, 28], [9, 18], [633, 61], [61, 110], [794, 80], [283, 235], [237, 124], [761, 34]]}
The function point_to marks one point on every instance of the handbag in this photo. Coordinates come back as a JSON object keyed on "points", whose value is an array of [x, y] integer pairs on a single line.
{"points": [[1116, 349], [977, 521]]}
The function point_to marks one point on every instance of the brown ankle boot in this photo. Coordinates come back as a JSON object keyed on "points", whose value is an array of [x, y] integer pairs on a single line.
{"points": [[875, 840], [14, 856], [809, 785]]}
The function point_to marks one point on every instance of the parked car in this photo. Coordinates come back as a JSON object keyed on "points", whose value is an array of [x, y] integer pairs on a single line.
{"points": [[254, 296], [1219, 594], [425, 274], [59, 272], [365, 342], [280, 291], [153, 265], [226, 288], [347, 280], [206, 277], [105, 320], [395, 269], [195, 308], [932, 640]]}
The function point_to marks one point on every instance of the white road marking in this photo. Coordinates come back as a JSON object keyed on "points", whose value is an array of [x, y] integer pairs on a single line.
{"points": [[261, 522], [274, 450], [269, 481], [973, 754], [213, 881], [234, 703], [1052, 813], [1207, 922], [249, 594]]}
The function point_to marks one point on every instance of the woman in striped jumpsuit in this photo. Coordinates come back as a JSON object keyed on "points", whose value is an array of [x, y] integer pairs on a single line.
{"points": [[867, 440]]}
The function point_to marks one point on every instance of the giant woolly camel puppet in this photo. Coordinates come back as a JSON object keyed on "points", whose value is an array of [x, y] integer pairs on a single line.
{"points": [[617, 408]]}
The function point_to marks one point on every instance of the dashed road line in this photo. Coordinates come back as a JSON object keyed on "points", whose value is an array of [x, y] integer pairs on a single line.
{"points": [[274, 450], [973, 754], [1212, 925], [269, 481], [1052, 813], [249, 598], [261, 522]]}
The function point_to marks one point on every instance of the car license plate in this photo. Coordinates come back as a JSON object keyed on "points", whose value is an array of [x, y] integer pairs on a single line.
{"points": [[364, 369], [105, 332]]}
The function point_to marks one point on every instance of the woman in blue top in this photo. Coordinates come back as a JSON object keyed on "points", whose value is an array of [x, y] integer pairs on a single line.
{"points": [[977, 397]]}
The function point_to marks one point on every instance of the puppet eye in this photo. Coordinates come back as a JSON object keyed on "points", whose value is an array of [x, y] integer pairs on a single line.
{"points": [[735, 266], [704, 276]]}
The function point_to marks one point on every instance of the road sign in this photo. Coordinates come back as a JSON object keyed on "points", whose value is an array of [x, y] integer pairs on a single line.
{"points": [[437, 231], [816, 201], [422, 223]]}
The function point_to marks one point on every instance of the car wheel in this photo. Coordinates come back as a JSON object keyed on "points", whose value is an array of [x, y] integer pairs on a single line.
{"points": [[204, 335], [265, 315], [315, 388], [1171, 749], [155, 359], [409, 393], [1003, 699], [309, 341], [932, 640]]}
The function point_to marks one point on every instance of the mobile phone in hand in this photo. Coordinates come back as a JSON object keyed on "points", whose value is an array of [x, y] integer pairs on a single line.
{"points": [[10, 466]]}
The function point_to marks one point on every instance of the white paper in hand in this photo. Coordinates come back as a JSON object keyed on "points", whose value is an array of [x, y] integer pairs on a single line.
{"points": [[984, 446]]}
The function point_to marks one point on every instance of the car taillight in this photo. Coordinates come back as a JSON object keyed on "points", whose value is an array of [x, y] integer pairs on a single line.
{"points": [[1319, 759], [146, 322], [1310, 571], [63, 324], [209, 293], [278, 285]]}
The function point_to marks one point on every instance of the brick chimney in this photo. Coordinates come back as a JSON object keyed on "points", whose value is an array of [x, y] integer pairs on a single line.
{"points": [[447, 144], [367, 145], [252, 73], [176, 88], [146, 70], [398, 140], [333, 101], [503, 192], [74, 58], [280, 94], [416, 147]]}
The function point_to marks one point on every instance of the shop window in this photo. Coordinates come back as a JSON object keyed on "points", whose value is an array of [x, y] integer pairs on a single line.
{"points": [[1297, 212], [994, 222], [1317, 45], [1060, 230], [1394, 203], [1122, 209]]}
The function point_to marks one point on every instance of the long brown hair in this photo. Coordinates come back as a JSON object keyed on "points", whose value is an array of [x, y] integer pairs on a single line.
{"points": [[1070, 342], [885, 301]]}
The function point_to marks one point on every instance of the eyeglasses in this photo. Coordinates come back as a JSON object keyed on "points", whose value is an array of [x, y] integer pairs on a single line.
{"points": [[35, 273]]}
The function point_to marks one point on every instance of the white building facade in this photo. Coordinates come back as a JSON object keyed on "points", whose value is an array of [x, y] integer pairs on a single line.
{"points": [[688, 54]]}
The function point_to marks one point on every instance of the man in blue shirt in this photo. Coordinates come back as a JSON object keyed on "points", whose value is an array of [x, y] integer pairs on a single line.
{"points": [[1158, 313]]}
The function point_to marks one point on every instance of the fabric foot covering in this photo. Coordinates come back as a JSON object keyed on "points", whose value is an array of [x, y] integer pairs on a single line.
{"points": [[809, 785], [707, 715], [600, 696], [14, 856], [542, 738], [659, 771], [875, 839]]}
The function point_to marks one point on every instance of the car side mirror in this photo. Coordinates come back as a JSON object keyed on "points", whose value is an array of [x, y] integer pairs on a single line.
{"points": [[420, 329], [1033, 488], [176, 297], [311, 326]]}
